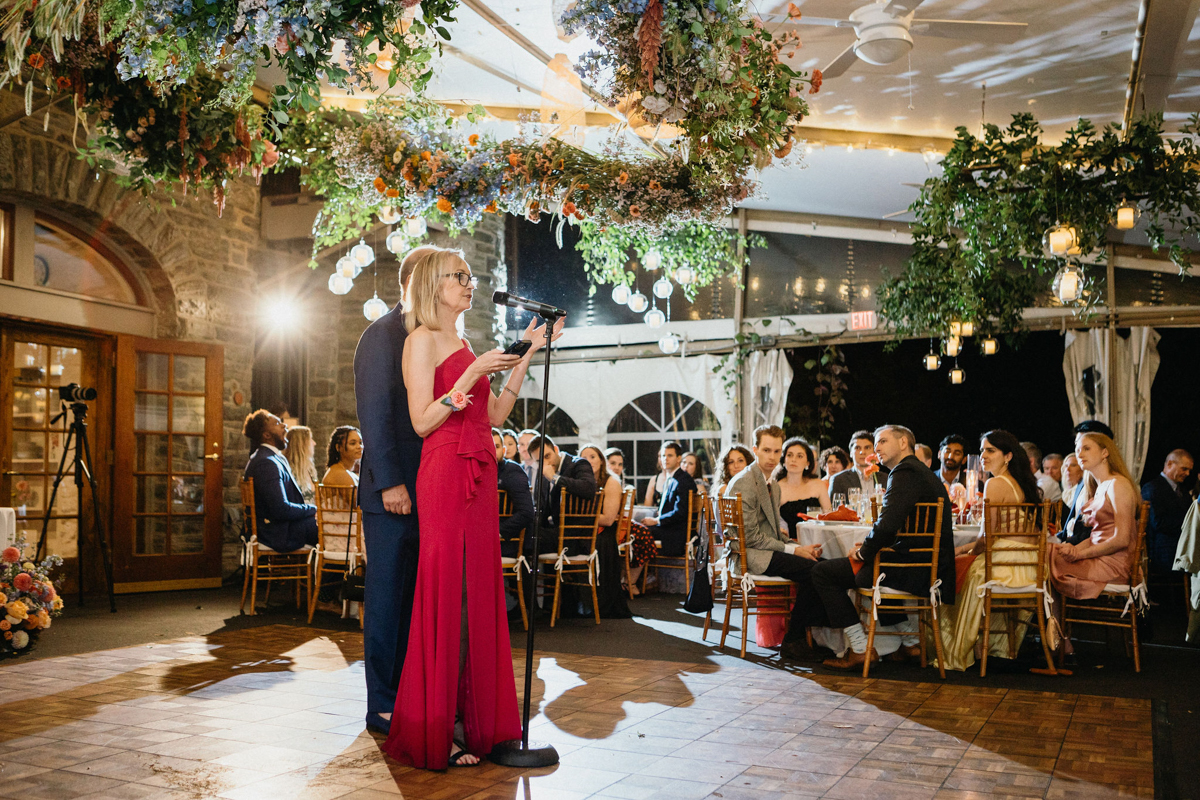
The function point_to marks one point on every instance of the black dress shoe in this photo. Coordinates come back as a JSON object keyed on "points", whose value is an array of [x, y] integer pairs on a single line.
{"points": [[799, 650], [378, 724]]}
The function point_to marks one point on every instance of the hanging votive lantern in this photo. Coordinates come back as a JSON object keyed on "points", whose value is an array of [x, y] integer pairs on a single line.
{"points": [[347, 267], [685, 276], [1068, 284], [638, 302], [967, 329], [340, 284], [1127, 215], [932, 361], [956, 328], [362, 253], [389, 215], [652, 260], [1061, 240], [957, 375], [655, 318], [415, 227], [953, 346], [663, 288], [620, 294], [989, 346], [396, 242], [374, 308], [669, 344]]}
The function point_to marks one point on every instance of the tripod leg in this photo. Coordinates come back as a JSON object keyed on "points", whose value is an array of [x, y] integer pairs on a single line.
{"points": [[62, 463], [85, 458]]}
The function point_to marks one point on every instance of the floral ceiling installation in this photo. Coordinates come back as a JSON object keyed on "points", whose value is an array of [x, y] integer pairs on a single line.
{"points": [[978, 237]]}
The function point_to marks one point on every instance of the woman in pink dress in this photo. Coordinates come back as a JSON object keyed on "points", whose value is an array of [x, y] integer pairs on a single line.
{"points": [[457, 698], [1081, 570]]}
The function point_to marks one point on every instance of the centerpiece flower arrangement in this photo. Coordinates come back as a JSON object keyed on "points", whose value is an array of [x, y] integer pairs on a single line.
{"points": [[30, 598], [706, 67]]}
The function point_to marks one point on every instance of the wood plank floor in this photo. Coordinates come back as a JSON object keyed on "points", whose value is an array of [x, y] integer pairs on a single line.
{"points": [[276, 712]]}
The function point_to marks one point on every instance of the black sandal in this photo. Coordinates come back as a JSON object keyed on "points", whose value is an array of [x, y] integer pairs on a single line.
{"points": [[456, 758]]}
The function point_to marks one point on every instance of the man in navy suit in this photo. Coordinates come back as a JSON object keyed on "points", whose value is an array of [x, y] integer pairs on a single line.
{"points": [[672, 519], [285, 523], [387, 495], [1168, 506]]}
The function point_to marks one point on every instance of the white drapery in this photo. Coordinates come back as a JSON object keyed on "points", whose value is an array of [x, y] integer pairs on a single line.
{"points": [[769, 376], [1121, 400]]}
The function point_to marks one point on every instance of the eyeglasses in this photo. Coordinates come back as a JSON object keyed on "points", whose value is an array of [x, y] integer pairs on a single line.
{"points": [[463, 278]]}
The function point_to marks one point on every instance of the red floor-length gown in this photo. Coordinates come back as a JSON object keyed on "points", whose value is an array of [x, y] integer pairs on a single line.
{"points": [[458, 514]]}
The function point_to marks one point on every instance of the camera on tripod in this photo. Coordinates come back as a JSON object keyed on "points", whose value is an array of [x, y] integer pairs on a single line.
{"points": [[74, 393]]}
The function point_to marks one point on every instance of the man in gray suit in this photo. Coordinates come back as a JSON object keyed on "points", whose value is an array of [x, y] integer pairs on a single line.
{"points": [[862, 446], [769, 551]]}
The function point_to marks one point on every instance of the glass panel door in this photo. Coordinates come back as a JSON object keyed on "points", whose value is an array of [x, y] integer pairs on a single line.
{"points": [[169, 414]]}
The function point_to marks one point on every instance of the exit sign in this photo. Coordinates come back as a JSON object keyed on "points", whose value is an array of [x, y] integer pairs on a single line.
{"points": [[862, 320]]}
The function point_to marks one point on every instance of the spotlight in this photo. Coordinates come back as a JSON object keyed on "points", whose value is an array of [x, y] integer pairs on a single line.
{"points": [[281, 313]]}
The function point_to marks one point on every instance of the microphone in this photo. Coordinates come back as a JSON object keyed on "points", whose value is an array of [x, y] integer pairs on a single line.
{"points": [[541, 309]]}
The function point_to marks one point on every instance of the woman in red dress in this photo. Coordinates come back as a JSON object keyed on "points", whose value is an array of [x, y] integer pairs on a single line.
{"points": [[457, 698]]}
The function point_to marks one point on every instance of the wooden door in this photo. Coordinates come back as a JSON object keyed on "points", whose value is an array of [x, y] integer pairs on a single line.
{"points": [[35, 362], [167, 505]]}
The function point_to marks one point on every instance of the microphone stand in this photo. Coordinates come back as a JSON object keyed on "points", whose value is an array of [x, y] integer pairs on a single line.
{"points": [[520, 752]]}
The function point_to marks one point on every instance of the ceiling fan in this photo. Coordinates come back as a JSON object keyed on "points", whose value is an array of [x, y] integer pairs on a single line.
{"points": [[883, 32]]}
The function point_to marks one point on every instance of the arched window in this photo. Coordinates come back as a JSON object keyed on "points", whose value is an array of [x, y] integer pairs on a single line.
{"points": [[66, 260], [527, 413], [641, 427]]}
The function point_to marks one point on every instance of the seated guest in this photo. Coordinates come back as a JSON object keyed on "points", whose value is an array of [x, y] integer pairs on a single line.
{"points": [[734, 459], [609, 594], [925, 453], [865, 474], [511, 479], [953, 454], [768, 549], [670, 526], [799, 487], [832, 461], [1072, 477], [654, 489], [301, 448], [1075, 528], [528, 464], [345, 450], [909, 482], [691, 465], [561, 471], [285, 522], [1082, 570], [1012, 481], [1051, 490], [616, 463], [1168, 507], [511, 445]]}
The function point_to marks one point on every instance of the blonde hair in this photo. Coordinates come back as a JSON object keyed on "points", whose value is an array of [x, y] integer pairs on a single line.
{"points": [[426, 264], [297, 453], [1116, 464]]}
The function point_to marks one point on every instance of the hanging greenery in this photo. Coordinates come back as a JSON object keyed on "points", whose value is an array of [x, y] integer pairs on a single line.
{"points": [[978, 236]]}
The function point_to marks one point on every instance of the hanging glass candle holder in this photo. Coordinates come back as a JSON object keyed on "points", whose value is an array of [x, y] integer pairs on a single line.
{"points": [[953, 346], [415, 227], [663, 288], [396, 242], [957, 375], [1068, 284], [389, 215], [340, 284], [669, 344], [652, 260], [932, 361], [1061, 240], [362, 253], [638, 302], [1127, 215], [620, 294], [989, 346], [655, 318], [374, 308], [685, 276], [347, 267]]}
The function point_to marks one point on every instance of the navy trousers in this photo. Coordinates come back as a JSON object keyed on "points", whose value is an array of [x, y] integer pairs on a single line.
{"points": [[392, 545]]}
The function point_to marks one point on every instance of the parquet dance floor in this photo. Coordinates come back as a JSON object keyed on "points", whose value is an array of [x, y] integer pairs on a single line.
{"points": [[276, 712]]}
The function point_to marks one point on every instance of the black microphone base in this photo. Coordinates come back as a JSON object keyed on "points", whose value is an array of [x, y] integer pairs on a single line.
{"points": [[511, 754]]}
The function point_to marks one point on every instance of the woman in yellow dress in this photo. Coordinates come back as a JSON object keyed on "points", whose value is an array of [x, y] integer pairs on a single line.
{"points": [[1012, 481]]}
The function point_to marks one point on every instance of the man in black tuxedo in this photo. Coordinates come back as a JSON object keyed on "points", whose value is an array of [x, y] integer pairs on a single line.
{"points": [[1168, 507], [387, 493], [512, 479], [909, 482], [672, 520], [560, 471], [285, 522]]}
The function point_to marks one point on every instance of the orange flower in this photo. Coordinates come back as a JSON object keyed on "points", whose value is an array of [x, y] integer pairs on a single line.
{"points": [[514, 159], [473, 139], [37, 60], [63, 82], [635, 211], [655, 186], [443, 205], [793, 11], [380, 185], [426, 155], [5, 624], [568, 209], [623, 179], [490, 208], [783, 151], [392, 192], [817, 80]]}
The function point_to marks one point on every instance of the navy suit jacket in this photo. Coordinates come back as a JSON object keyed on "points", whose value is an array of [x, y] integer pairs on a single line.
{"points": [[285, 522], [909, 483], [512, 479], [673, 508], [391, 448], [1167, 510], [576, 476]]}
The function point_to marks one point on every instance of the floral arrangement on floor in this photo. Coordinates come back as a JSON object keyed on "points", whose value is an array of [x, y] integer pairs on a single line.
{"points": [[978, 251], [30, 598], [706, 67]]}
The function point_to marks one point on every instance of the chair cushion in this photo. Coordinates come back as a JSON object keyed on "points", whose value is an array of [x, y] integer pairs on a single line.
{"points": [[768, 580], [552, 558], [265, 550], [1116, 588], [886, 592], [507, 562], [1028, 589]]}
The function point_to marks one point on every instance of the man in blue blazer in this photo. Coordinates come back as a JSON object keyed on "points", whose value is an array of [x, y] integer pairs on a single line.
{"points": [[387, 495], [285, 523], [672, 520]]}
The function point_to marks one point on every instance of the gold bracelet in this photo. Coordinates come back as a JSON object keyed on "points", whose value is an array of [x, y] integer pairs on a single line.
{"points": [[510, 391]]}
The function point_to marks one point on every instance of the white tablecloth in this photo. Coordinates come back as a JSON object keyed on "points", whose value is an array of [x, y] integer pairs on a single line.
{"points": [[837, 540]]}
